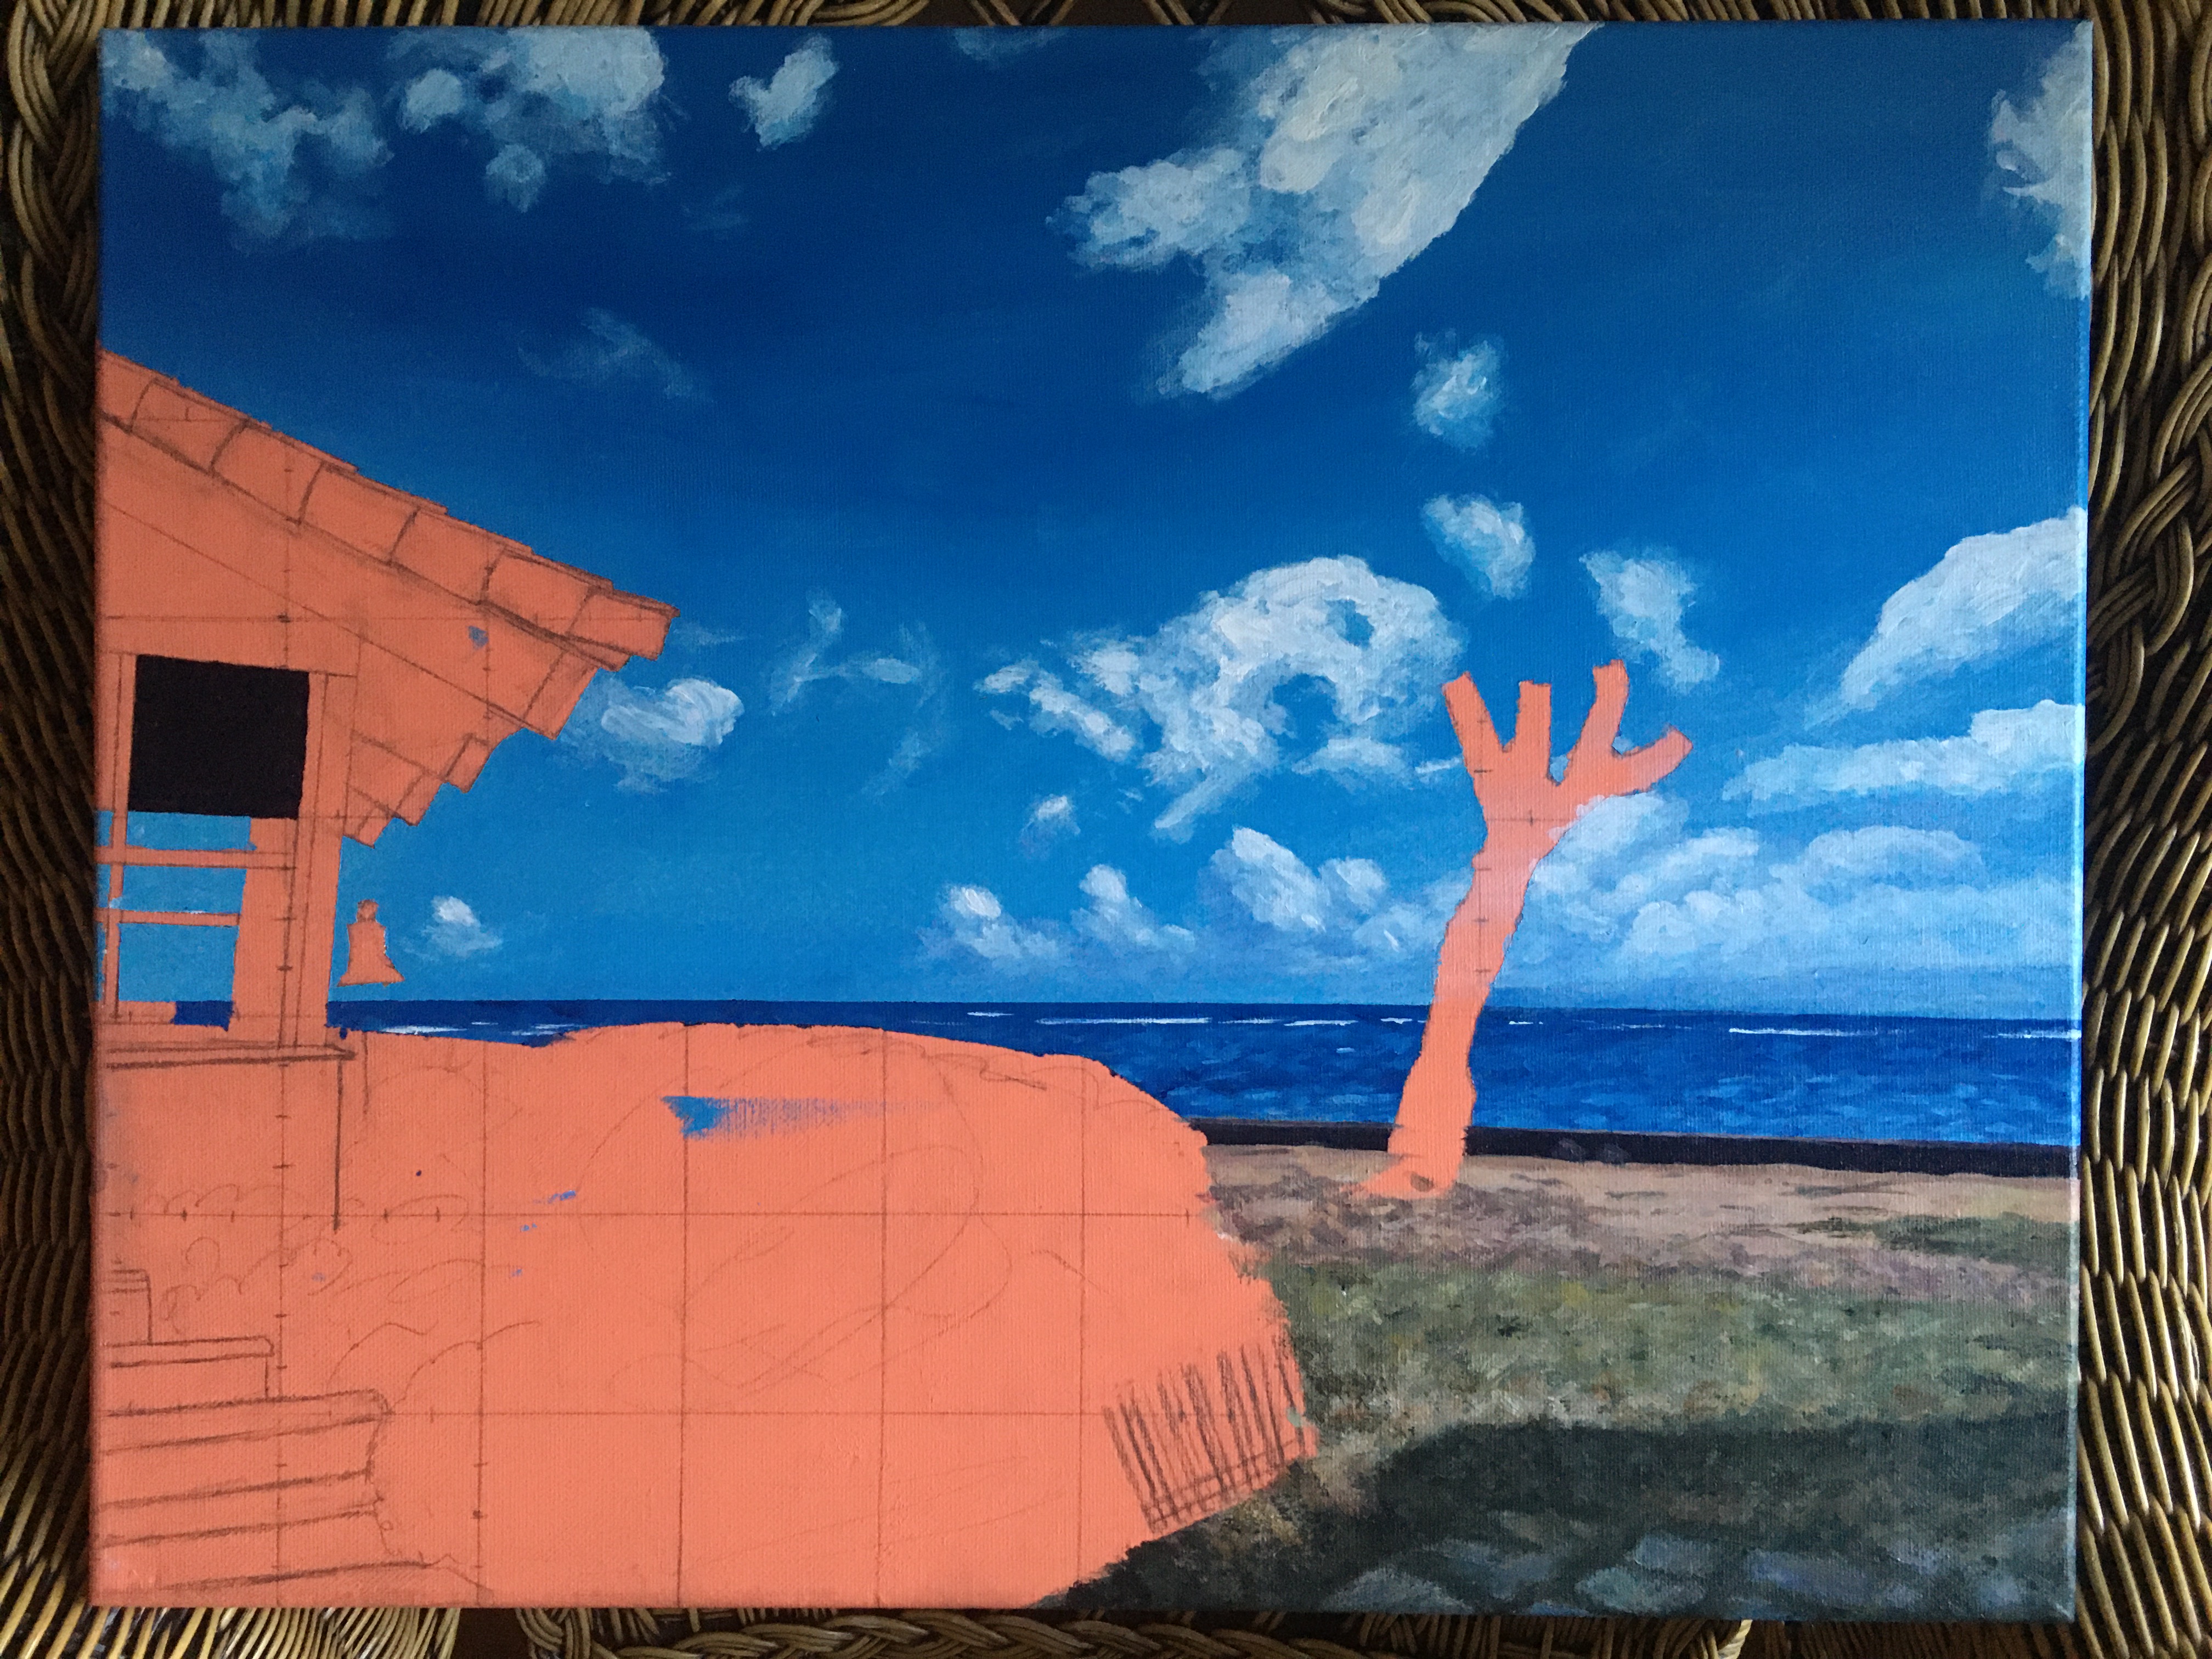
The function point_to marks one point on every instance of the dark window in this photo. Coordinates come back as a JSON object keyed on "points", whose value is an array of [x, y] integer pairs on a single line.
{"points": [[217, 738]]}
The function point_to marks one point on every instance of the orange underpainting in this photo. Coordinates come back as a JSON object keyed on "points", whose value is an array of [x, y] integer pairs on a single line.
{"points": [[1525, 810], [651, 1315]]}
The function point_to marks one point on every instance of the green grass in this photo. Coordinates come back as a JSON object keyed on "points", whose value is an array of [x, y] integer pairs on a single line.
{"points": [[1391, 1352], [2045, 1246]]}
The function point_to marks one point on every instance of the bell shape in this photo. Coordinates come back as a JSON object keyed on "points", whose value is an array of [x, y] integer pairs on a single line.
{"points": [[367, 961]]}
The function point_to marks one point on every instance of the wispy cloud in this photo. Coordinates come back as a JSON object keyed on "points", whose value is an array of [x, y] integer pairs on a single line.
{"points": [[539, 96], [292, 166], [786, 106], [454, 929], [1338, 155], [1002, 44], [915, 667], [656, 738], [1198, 704], [1457, 392], [611, 352], [1051, 819], [1642, 597], [1987, 598], [1485, 543], [2040, 149], [2003, 749]]}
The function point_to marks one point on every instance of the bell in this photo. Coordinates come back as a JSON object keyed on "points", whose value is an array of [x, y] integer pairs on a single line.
{"points": [[367, 964]]}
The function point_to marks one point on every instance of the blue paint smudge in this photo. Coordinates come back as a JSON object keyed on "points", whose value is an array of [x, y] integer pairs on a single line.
{"points": [[751, 1114], [478, 638], [698, 1114], [561, 1197]]}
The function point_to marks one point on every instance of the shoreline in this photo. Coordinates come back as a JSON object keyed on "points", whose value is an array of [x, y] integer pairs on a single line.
{"points": [[2019, 1159]]}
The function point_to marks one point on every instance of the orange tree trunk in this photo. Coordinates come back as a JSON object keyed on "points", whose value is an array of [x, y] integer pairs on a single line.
{"points": [[1525, 810]]}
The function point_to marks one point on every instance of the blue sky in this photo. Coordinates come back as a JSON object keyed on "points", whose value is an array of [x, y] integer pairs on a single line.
{"points": [[1077, 464]]}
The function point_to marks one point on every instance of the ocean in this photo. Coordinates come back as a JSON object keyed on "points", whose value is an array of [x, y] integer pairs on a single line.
{"points": [[1828, 1077]]}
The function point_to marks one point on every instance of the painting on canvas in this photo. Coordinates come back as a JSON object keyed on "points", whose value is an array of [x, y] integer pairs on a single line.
{"points": [[1104, 818]]}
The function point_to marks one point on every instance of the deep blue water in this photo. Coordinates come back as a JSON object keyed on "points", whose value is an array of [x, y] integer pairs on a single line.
{"points": [[1850, 1078]]}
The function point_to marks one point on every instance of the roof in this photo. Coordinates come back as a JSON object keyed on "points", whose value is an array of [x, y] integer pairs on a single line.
{"points": [[467, 636]]}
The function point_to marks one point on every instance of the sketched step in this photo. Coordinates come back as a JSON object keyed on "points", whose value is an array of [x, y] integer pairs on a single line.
{"points": [[149, 1376], [183, 1515], [229, 1447]]}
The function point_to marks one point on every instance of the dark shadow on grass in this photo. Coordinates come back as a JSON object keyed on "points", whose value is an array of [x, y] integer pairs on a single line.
{"points": [[1939, 1519]]}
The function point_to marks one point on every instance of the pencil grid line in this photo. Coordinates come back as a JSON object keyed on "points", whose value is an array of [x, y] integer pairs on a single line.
{"points": [[883, 1288], [684, 1333], [483, 1259]]}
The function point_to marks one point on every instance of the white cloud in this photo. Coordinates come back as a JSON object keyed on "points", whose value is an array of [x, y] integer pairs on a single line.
{"points": [[786, 106], [540, 95], [611, 351], [454, 930], [1487, 544], [1199, 705], [1641, 598], [975, 921], [1051, 818], [1632, 903], [1357, 758], [1054, 707], [2041, 150], [290, 168], [1122, 923], [1002, 44], [1987, 598], [1266, 915], [655, 737], [2003, 747], [1456, 393], [1339, 154], [916, 669]]}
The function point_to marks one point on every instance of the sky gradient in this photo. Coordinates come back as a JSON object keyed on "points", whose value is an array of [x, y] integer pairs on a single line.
{"points": [[1077, 462]]}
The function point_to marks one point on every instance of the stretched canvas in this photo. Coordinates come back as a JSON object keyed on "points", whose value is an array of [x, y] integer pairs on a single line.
{"points": [[1127, 817]]}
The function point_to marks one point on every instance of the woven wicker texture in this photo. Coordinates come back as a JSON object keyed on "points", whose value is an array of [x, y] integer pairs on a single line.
{"points": [[2146, 1479]]}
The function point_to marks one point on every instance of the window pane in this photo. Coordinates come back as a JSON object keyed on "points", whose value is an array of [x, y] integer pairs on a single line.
{"points": [[152, 887], [218, 737], [177, 964], [191, 832]]}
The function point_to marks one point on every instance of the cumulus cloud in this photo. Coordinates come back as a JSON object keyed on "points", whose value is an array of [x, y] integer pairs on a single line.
{"points": [[1456, 393], [975, 923], [1338, 155], [2003, 748], [2040, 150], [1198, 705], [1641, 598], [785, 106], [1988, 597], [612, 352], [1051, 819], [292, 166], [1122, 924], [539, 96], [655, 737], [1485, 543], [1263, 914], [1632, 901], [455, 931], [916, 668]]}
